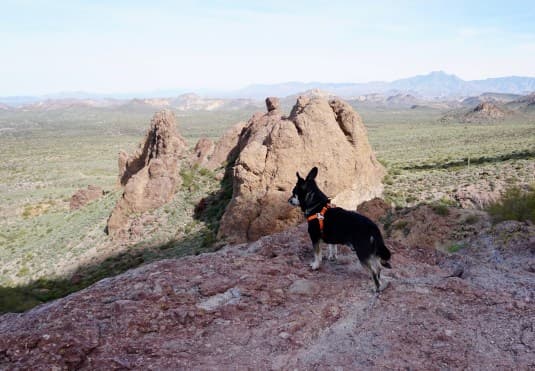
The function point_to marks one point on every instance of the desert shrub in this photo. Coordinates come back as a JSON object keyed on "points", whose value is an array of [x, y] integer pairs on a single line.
{"points": [[455, 247], [205, 172], [387, 221], [440, 209], [442, 206], [471, 219], [188, 178], [515, 204], [402, 225], [388, 180]]}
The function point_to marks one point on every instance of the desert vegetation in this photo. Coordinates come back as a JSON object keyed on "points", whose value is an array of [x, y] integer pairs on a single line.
{"points": [[516, 204], [48, 250]]}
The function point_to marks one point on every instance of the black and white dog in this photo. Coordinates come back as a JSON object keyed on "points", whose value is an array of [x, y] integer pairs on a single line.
{"points": [[335, 225]]}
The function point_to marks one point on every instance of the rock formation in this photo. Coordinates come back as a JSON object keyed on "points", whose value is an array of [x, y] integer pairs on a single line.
{"points": [[151, 175], [202, 152], [272, 104], [84, 196], [485, 111], [226, 150], [215, 155], [327, 134]]}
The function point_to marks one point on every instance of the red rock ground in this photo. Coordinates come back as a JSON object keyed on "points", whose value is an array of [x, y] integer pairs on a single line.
{"points": [[259, 306]]}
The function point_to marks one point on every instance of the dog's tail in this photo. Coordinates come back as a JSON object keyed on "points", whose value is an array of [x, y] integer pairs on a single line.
{"points": [[381, 250]]}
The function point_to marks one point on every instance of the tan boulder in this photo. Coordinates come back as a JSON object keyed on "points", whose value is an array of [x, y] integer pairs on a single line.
{"points": [[151, 175], [318, 132]]}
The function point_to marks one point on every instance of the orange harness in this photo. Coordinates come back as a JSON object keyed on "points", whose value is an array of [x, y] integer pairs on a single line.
{"points": [[320, 216]]}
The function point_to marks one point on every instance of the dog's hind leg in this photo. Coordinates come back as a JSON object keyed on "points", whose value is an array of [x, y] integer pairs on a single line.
{"points": [[317, 256], [375, 275], [373, 266]]}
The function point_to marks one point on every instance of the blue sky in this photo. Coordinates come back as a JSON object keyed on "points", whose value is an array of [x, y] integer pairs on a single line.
{"points": [[133, 46]]}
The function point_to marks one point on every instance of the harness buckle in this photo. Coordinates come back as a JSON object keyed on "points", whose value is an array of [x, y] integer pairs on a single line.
{"points": [[320, 216]]}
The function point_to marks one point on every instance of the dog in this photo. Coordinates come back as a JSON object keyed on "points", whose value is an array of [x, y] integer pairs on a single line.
{"points": [[335, 225]]}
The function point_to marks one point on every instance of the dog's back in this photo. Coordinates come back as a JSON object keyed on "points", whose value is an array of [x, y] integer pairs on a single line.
{"points": [[356, 230]]}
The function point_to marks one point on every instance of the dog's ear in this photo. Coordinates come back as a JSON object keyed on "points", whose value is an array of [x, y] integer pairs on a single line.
{"points": [[313, 173], [298, 176]]}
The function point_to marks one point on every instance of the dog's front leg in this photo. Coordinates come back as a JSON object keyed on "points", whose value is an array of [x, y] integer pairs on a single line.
{"points": [[317, 256], [333, 252]]}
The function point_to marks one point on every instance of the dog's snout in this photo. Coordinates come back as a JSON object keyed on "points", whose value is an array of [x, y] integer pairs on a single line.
{"points": [[293, 200]]}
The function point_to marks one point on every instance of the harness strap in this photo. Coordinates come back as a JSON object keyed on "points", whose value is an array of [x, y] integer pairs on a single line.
{"points": [[320, 216]]}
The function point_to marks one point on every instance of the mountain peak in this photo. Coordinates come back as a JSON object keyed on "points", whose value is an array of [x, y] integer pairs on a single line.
{"points": [[439, 73]]}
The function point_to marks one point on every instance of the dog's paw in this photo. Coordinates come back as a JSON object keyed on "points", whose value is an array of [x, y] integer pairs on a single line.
{"points": [[382, 287], [333, 257], [315, 265]]}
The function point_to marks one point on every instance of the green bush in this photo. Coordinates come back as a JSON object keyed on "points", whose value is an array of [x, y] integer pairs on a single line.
{"points": [[515, 204], [441, 209]]}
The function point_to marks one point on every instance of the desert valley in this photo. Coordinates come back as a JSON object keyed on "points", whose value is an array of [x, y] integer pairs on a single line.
{"points": [[155, 233]]}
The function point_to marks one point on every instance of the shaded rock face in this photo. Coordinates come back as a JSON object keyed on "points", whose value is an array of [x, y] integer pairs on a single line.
{"points": [[151, 175], [318, 132], [272, 103], [84, 196], [214, 311]]}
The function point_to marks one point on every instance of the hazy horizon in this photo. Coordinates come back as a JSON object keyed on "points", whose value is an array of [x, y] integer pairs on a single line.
{"points": [[125, 47]]}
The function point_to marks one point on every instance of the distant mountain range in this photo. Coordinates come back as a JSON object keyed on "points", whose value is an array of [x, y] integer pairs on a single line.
{"points": [[435, 85]]}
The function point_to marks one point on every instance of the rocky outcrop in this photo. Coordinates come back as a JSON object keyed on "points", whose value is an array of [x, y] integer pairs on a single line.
{"points": [[151, 175], [485, 110], [226, 147], [272, 104], [224, 151], [202, 152], [84, 196], [318, 132], [214, 311], [375, 209]]}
